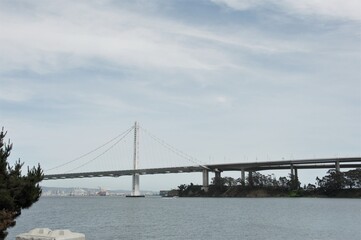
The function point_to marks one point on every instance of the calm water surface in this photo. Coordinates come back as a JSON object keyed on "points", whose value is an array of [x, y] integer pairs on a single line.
{"points": [[196, 218]]}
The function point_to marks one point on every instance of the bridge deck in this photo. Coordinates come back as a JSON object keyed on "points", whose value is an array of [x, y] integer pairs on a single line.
{"points": [[326, 163]]}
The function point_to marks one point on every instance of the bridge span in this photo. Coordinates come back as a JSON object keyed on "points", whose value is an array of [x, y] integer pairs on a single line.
{"points": [[292, 165], [250, 167]]}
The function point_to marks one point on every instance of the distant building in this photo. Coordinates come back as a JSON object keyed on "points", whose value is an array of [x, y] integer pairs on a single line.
{"points": [[102, 192], [78, 192]]}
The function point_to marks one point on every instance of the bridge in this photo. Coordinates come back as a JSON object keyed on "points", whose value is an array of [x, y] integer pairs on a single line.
{"points": [[135, 171]]}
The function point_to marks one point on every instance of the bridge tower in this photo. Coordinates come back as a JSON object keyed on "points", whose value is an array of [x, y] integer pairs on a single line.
{"points": [[135, 180]]}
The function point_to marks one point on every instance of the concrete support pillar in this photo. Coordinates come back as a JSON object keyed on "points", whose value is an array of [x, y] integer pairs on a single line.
{"points": [[243, 177], [294, 178], [292, 172], [217, 178], [205, 180], [217, 174], [337, 166], [135, 190], [135, 187], [250, 179]]}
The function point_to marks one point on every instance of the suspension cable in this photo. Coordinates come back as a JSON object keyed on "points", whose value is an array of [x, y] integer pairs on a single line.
{"points": [[174, 150], [86, 163], [88, 153]]}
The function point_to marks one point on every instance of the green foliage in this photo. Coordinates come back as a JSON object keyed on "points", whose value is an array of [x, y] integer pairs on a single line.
{"points": [[189, 190], [269, 181], [353, 178], [219, 181], [260, 180], [294, 193], [341, 184], [17, 191], [332, 182], [335, 181], [293, 183]]}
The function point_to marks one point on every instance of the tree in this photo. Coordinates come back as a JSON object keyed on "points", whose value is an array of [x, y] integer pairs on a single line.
{"points": [[17, 191], [283, 182], [353, 178], [219, 181], [333, 182], [293, 183], [230, 182]]}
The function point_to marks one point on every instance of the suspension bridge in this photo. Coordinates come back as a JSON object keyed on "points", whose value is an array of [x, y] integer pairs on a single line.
{"points": [[121, 156]]}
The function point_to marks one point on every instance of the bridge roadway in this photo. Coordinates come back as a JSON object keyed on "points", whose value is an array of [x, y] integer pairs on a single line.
{"points": [[325, 163]]}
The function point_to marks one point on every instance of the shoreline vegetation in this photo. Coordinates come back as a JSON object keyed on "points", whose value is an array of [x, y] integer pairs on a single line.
{"points": [[333, 185]]}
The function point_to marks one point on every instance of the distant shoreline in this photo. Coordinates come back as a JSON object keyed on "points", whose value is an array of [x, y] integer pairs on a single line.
{"points": [[264, 192]]}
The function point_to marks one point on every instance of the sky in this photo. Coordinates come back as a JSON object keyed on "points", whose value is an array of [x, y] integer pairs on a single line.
{"points": [[221, 80]]}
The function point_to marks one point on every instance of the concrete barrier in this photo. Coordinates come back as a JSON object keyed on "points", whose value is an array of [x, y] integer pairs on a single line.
{"points": [[48, 234]]}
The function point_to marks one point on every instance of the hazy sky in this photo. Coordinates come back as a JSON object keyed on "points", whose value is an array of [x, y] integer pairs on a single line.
{"points": [[222, 80]]}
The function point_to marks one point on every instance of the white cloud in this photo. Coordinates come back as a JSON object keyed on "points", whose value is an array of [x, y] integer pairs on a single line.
{"points": [[12, 93], [79, 33], [239, 4], [221, 99], [350, 9], [72, 38]]}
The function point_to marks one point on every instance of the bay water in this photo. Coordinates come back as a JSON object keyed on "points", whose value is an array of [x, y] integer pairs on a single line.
{"points": [[106, 218]]}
